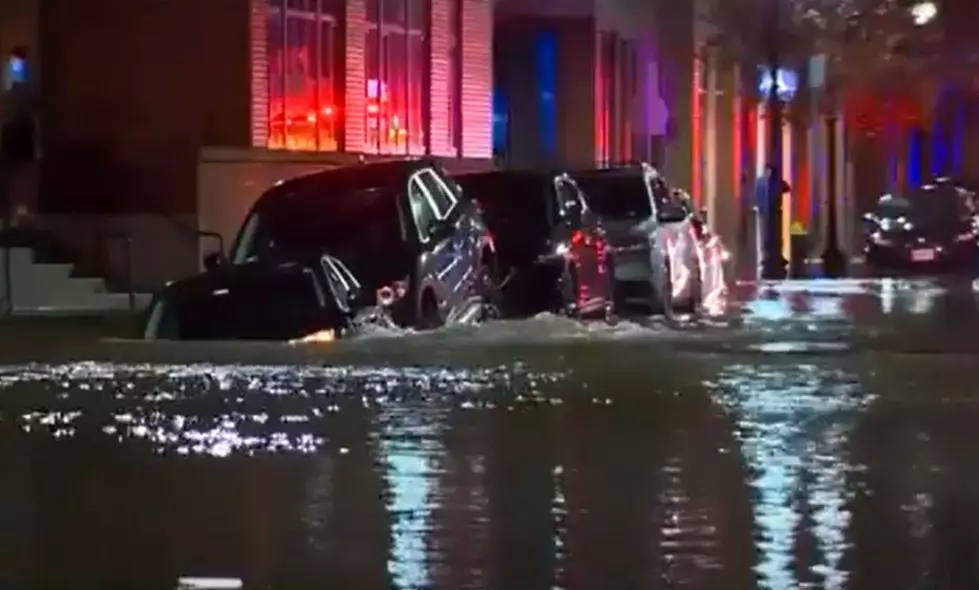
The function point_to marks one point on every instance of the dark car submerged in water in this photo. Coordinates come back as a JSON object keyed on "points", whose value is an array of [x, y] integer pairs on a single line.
{"points": [[550, 247], [412, 241], [934, 226], [258, 301]]}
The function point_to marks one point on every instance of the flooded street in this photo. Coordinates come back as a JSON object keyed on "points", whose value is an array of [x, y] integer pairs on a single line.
{"points": [[820, 435]]}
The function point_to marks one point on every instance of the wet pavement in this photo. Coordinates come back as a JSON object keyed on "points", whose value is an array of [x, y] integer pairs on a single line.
{"points": [[819, 434]]}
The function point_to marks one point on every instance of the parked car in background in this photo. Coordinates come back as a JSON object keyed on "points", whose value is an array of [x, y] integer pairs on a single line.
{"points": [[258, 301], [652, 236], [935, 225], [551, 248], [402, 227]]}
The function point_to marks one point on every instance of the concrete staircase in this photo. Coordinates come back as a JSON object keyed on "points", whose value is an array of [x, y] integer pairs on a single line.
{"points": [[41, 287]]}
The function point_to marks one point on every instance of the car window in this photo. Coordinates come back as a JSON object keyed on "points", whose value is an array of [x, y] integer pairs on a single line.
{"points": [[568, 200], [623, 196], [423, 209], [276, 309], [512, 201], [343, 284], [354, 224], [442, 197]]}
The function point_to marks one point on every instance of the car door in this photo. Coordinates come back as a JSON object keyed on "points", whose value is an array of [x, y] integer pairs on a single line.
{"points": [[584, 240], [446, 262]]}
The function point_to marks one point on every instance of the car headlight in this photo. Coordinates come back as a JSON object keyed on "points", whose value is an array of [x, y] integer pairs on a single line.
{"points": [[966, 236], [880, 239]]}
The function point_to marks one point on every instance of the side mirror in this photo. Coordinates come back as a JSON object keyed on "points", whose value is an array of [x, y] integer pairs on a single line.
{"points": [[213, 260], [671, 214]]}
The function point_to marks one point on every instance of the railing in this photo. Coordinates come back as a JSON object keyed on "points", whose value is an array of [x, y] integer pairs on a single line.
{"points": [[197, 233], [126, 239]]}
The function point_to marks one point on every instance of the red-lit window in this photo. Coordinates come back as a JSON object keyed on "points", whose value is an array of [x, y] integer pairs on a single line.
{"points": [[454, 59], [302, 46], [396, 73]]}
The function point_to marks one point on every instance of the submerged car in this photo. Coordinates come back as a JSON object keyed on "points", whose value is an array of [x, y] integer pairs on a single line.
{"points": [[932, 226], [402, 227], [551, 248], [652, 236], [258, 301]]}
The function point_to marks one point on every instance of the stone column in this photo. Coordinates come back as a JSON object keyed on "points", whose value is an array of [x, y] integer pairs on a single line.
{"points": [[724, 220], [476, 102], [576, 91], [517, 76], [676, 49], [709, 168]]}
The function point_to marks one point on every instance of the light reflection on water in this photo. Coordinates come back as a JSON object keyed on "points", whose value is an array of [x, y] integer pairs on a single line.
{"points": [[793, 427], [715, 473]]}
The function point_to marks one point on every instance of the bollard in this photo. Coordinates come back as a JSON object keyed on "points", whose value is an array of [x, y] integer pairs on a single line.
{"points": [[798, 251]]}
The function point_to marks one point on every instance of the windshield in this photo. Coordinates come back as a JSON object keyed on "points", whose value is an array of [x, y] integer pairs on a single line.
{"points": [[933, 206], [355, 226], [616, 196], [274, 309], [512, 200]]}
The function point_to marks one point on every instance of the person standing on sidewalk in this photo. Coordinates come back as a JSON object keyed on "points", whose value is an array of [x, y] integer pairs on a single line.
{"points": [[18, 135]]}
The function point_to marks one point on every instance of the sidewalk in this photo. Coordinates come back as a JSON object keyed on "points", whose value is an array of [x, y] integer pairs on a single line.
{"points": [[36, 336]]}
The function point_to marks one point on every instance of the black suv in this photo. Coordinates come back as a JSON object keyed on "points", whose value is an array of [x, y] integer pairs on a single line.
{"points": [[415, 245], [257, 301], [550, 246]]}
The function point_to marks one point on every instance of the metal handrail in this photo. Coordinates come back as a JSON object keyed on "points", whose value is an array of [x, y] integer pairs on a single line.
{"points": [[127, 240], [198, 233]]}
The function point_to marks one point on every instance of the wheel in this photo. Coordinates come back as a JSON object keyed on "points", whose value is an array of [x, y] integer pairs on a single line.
{"points": [[490, 290], [429, 317], [661, 296], [567, 293], [611, 311], [692, 304]]}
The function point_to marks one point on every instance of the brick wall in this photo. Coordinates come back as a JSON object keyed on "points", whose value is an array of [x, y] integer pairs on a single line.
{"points": [[259, 72], [477, 78], [440, 72], [121, 133], [355, 100]]}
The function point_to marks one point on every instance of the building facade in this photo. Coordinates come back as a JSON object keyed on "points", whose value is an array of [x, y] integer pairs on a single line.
{"points": [[168, 117]]}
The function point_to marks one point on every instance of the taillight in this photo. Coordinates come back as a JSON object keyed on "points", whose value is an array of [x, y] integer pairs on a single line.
{"points": [[387, 295], [579, 238]]}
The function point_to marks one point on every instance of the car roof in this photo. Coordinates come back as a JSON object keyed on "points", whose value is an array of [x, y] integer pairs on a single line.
{"points": [[516, 174], [346, 178]]}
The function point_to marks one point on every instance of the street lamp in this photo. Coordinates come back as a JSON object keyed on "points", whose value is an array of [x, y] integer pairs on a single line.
{"points": [[923, 13], [773, 266]]}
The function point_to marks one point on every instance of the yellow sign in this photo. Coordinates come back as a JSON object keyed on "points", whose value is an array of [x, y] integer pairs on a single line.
{"points": [[797, 229]]}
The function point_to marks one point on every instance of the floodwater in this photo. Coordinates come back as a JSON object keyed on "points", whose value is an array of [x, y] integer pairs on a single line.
{"points": [[821, 435]]}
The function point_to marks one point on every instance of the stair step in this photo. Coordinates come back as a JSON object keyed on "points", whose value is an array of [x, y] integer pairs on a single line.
{"points": [[72, 305]]}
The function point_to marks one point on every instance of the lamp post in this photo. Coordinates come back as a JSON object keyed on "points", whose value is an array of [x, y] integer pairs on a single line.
{"points": [[773, 265], [834, 261]]}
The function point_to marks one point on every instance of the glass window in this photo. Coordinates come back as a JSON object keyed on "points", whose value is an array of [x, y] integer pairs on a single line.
{"points": [[454, 94], [569, 200], [302, 55], [443, 199], [423, 212], [417, 76], [396, 76], [616, 197], [276, 308], [513, 203]]}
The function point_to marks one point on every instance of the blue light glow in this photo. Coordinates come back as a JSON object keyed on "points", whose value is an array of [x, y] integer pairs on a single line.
{"points": [[546, 53], [914, 158], [501, 122], [787, 82]]}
